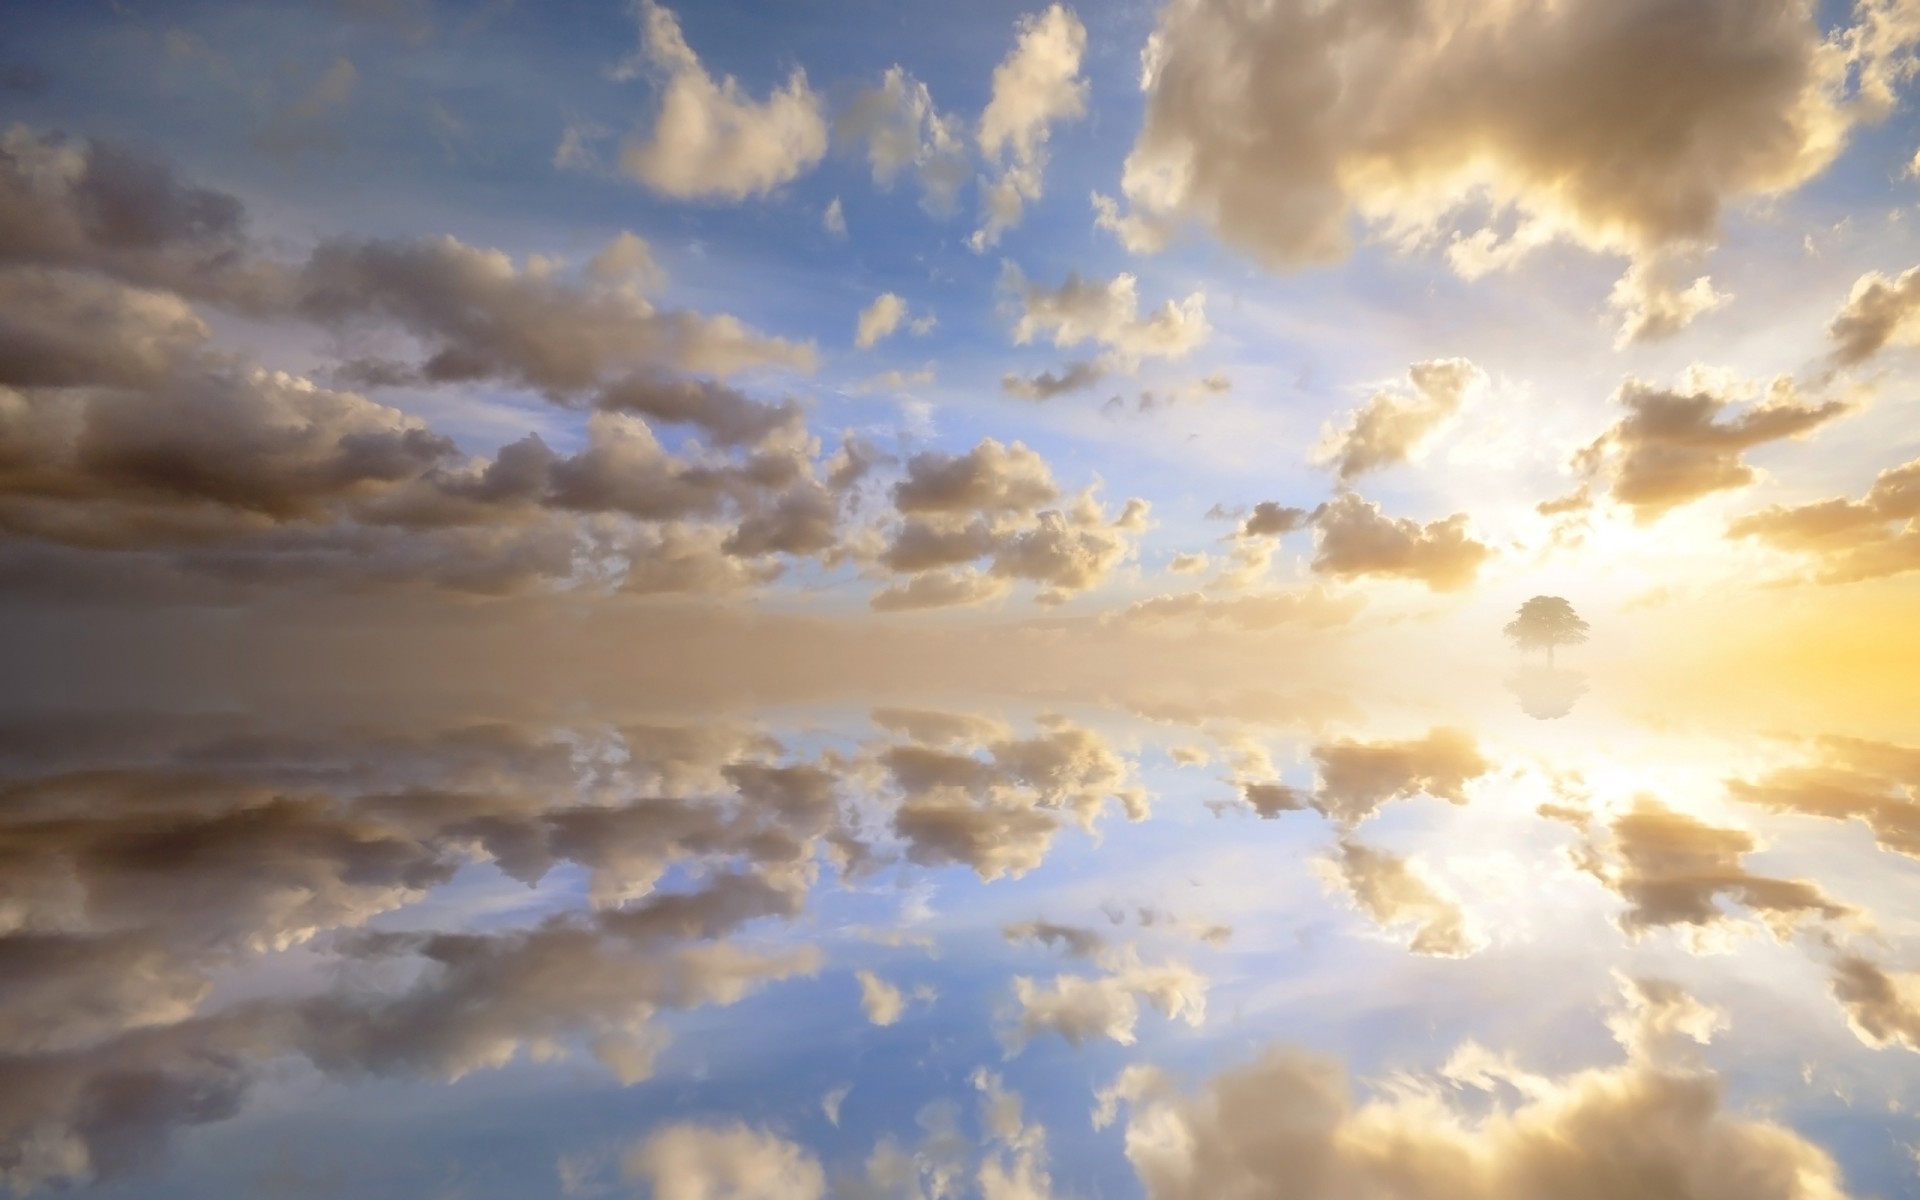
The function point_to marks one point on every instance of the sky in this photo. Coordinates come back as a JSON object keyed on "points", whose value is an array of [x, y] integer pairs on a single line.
{"points": [[768, 601]]}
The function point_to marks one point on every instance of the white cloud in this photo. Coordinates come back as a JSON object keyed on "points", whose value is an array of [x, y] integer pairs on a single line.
{"points": [[1108, 314], [879, 319], [712, 139], [1037, 84], [904, 131], [733, 1162], [881, 1001]]}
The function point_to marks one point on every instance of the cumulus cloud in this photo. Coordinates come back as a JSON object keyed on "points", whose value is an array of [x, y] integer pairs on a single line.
{"points": [[481, 316], [1072, 940], [1879, 312], [905, 132], [956, 509], [63, 329], [1080, 1008], [132, 876], [1672, 869], [1106, 314], [1074, 377], [1282, 127], [711, 139], [1394, 891], [996, 807], [1673, 448], [1882, 1009], [881, 1001], [1851, 780], [1391, 425], [1287, 1121], [1036, 85], [1354, 779], [1270, 519], [96, 206], [1848, 540], [124, 431], [1357, 540], [688, 1161], [879, 319], [834, 219]]}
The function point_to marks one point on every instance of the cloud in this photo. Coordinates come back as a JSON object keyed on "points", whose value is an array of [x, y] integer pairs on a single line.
{"points": [[483, 317], [1854, 780], [688, 1161], [1393, 891], [879, 319], [991, 478], [1391, 426], [1080, 1008], [1672, 448], [995, 807], [956, 509], [1848, 540], [1881, 1009], [1283, 127], [1269, 519], [834, 219], [63, 329], [1287, 1121], [96, 206], [905, 131], [133, 871], [1357, 540], [1672, 869], [1037, 84], [1107, 314], [1879, 312], [711, 139], [1654, 301], [1074, 377], [880, 1000], [1072, 940], [1354, 779]]}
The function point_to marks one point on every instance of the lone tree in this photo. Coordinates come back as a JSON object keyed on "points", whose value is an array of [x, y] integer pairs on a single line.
{"points": [[1545, 622]]}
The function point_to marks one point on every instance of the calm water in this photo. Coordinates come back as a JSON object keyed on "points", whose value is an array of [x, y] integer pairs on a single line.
{"points": [[1269, 945]]}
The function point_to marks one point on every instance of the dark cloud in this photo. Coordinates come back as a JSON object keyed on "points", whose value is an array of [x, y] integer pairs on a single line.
{"points": [[1672, 447], [1848, 540], [1269, 519], [1356, 778], [1875, 783], [96, 206], [1357, 540], [1672, 869], [1878, 312], [481, 316], [996, 806], [957, 509], [991, 479], [1882, 1009], [1074, 377]]}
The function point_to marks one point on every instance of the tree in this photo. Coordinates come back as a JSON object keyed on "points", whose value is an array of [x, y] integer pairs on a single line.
{"points": [[1545, 622]]}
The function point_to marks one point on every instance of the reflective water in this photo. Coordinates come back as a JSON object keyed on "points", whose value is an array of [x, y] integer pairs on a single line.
{"points": [[1553, 941]]}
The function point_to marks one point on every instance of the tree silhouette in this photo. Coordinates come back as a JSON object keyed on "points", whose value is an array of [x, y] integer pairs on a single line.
{"points": [[1545, 622]]}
